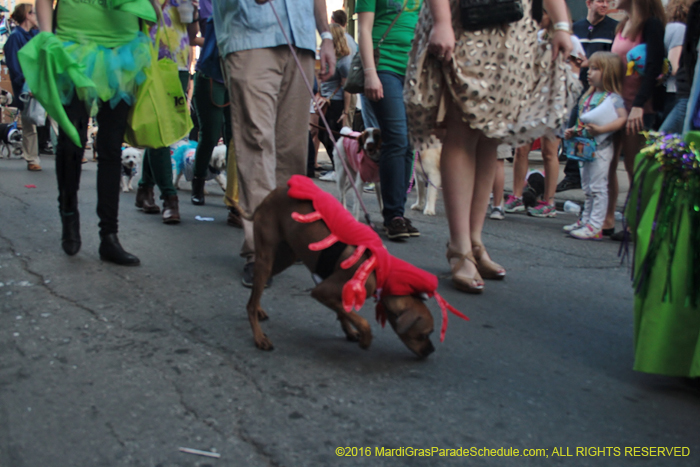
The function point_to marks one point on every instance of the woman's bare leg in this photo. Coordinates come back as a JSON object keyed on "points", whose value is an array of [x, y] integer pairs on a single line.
{"points": [[457, 168], [550, 147], [499, 183], [520, 166]]}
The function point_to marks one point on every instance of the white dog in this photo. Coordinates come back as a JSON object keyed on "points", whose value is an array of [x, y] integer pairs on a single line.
{"points": [[361, 152], [428, 179], [217, 165], [131, 165]]}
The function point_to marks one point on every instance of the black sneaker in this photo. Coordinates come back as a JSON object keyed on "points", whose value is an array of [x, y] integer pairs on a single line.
{"points": [[247, 279], [568, 184], [396, 229], [412, 231]]}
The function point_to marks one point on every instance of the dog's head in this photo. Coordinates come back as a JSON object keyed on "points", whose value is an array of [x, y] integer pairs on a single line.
{"points": [[370, 141], [218, 158], [131, 157], [412, 321]]}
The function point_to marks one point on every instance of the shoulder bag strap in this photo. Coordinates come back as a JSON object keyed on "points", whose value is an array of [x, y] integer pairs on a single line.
{"points": [[389, 28]]}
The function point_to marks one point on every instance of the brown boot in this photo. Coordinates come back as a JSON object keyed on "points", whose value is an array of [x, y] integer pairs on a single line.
{"points": [[145, 200], [171, 210]]}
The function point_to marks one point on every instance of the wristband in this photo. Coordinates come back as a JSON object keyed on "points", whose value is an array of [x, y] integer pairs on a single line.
{"points": [[326, 35], [370, 69], [562, 26]]}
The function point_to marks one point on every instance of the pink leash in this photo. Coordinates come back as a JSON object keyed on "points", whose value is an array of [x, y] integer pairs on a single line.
{"points": [[321, 114]]}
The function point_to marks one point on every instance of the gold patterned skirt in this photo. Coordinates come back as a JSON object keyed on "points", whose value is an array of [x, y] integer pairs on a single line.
{"points": [[504, 82]]}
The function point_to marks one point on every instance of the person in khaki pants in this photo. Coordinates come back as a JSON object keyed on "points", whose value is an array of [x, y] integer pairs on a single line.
{"points": [[25, 17], [269, 100]]}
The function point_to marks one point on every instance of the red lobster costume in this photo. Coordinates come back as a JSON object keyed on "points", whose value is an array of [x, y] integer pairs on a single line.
{"points": [[394, 276]]}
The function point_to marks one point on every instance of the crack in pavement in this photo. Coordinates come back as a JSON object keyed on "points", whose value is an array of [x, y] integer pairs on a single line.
{"points": [[24, 261]]}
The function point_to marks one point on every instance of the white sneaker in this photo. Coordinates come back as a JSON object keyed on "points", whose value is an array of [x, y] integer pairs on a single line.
{"points": [[587, 232], [368, 187], [329, 176], [497, 213], [575, 226]]}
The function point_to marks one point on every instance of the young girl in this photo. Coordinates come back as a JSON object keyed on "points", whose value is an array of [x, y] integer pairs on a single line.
{"points": [[605, 79]]}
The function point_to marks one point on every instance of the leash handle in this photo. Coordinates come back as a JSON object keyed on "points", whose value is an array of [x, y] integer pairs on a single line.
{"points": [[321, 114]]}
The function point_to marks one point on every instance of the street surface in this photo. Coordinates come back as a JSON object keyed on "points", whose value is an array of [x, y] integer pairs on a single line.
{"points": [[102, 365]]}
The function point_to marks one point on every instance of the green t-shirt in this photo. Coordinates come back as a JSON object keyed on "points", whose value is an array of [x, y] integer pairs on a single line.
{"points": [[397, 45], [92, 21]]}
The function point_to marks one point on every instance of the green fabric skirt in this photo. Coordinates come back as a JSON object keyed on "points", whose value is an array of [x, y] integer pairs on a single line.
{"points": [[666, 322]]}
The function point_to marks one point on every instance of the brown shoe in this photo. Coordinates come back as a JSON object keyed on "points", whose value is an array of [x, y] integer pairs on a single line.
{"points": [[145, 200], [34, 167], [473, 284], [171, 210], [487, 268], [234, 218]]}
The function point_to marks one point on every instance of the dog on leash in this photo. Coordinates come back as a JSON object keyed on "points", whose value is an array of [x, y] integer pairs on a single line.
{"points": [[10, 140], [428, 179], [361, 152], [348, 262], [131, 165], [182, 156]]}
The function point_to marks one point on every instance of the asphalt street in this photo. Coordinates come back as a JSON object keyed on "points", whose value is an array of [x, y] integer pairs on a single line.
{"points": [[102, 365]]}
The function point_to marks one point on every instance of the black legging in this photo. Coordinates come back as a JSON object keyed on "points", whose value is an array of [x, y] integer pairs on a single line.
{"points": [[335, 110], [112, 124]]}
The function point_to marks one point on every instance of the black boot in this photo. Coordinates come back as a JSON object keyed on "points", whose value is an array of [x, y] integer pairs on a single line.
{"points": [[198, 191], [112, 251], [70, 218]]}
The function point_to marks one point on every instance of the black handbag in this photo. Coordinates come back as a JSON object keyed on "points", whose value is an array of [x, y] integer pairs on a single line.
{"points": [[480, 14], [355, 82]]}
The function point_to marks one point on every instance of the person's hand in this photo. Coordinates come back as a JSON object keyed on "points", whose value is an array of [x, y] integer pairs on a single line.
{"points": [[561, 43], [373, 87], [593, 129], [327, 60], [441, 42], [568, 133], [635, 121]]}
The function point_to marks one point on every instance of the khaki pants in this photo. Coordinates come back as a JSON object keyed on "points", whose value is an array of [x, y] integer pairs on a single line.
{"points": [[30, 140], [270, 120]]}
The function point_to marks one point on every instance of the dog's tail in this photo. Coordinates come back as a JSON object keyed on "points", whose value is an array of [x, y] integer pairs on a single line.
{"points": [[244, 214], [346, 130]]}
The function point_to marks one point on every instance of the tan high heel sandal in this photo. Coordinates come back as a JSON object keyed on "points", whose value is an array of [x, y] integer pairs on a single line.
{"points": [[474, 284], [487, 268]]}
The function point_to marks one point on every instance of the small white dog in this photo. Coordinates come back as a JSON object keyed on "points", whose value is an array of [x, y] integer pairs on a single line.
{"points": [[217, 165], [361, 152], [428, 179], [131, 165]]}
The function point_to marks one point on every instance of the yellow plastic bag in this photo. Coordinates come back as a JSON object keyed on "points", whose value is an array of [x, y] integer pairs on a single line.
{"points": [[160, 116]]}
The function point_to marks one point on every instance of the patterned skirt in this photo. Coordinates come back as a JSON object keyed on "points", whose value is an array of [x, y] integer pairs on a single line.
{"points": [[504, 82]]}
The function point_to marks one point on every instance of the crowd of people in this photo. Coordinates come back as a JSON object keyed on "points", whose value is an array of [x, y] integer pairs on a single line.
{"points": [[482, 91]]}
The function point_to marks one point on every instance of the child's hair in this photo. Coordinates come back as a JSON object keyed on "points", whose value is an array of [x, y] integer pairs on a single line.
{"points": [[611, 68]]}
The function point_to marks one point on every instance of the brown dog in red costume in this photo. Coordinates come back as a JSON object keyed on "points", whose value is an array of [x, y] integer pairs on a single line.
{"points": [[349, 263]]}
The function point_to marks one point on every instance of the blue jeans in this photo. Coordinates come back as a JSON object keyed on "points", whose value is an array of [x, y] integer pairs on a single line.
{"points": [[368, 117], [676, 117], [397, 155]]}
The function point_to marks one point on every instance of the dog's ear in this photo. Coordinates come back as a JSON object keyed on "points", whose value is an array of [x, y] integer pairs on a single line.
{"points": [[361, 139], [377, 138]]}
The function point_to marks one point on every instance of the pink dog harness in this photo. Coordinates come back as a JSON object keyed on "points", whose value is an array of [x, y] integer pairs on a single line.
{"points": [[358, 160]]}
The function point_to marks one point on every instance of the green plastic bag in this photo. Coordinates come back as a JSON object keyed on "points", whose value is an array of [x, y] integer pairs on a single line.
{"points": [[160, 116]]}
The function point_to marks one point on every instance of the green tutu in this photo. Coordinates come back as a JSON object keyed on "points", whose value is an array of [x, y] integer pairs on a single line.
{"points": [[664, 215], [56, 70]]}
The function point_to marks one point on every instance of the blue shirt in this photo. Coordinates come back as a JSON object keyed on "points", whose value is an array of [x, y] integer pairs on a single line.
{"points": [[16, 41], [245, 25]]}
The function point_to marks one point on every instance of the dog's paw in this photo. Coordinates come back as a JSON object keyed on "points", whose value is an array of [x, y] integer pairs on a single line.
{"points": [[417, 206], [429, 211], [263, 343]]}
